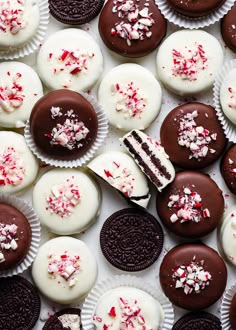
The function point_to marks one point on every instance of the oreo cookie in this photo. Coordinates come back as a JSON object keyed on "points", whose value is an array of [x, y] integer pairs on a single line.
{"points": [[67, 318], [131, 239], [19, 304], [75, 12], [198, 321]]}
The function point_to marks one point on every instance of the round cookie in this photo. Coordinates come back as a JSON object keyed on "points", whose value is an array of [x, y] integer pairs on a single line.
{"points": [[19, 22], [74, 12], [195, 8], [64, 270], [61, 198], [20, 88], [232, 313], [15, 237], [198, 320], [19, 304], [228, 28], [187, 63], [131, 239], [63, 125], [18, 166], [228, 96], [193, 276], [145, 312], [197, 138], [131, 28], [64, 319], [130, 96], [70, 59], [191, 206], [228, 168]]}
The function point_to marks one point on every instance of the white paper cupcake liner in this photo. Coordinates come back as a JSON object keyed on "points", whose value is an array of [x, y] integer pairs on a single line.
{"points": [[33, 220], [36, 41], [228, 126], [225, 307], [193, 23], [124, 280], [101, 135]]}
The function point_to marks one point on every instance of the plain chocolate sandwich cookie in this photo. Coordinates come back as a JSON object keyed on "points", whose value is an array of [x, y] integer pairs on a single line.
{"points": [[198, 321]]}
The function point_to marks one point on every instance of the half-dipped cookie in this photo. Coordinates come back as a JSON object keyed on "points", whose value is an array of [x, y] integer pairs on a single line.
{"points": [[67, 318]]}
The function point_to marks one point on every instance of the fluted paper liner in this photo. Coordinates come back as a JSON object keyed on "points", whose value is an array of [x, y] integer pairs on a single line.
{"points": [[228, 126], [129, 281], [33, 220], [101, 135], [193, 23], [225, 307], [33, 44]]}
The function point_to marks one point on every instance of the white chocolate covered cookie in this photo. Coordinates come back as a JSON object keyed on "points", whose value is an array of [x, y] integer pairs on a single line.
{"points": [[228, 96]]}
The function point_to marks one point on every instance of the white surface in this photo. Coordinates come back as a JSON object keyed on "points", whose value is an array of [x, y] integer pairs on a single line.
{"points": [[111, 200]]}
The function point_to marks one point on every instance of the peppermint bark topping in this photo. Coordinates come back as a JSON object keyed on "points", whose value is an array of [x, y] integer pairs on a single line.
{"points": [[120, 177], [70, 132], [65, 266], [12, 16], [129, 99], [12, 95], [188, 207], [232, 92], [12, 167], [195, 138], [8, 234], [188, 62], [138, 21], [191, 278], [63, 198]]}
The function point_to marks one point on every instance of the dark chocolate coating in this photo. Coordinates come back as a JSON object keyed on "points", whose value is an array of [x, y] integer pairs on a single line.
{"points": [[10, 215], [138, 48], [228, 28], [183, 255], [212, 200], [74, 11], [41, 122], [54, 324], [19, 304], [232, 313], [131, 239], [207, 118], [195, 8], [198, 321], [227, 168]]}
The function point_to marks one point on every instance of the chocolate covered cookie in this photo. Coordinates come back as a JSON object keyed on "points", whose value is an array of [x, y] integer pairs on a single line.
{"points": [[131, 239], [198, 320], [228, 168], [232, 313], [228, 28], [67, 318]]}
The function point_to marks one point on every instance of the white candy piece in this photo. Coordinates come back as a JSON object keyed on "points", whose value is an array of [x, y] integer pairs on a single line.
{"points": [[188, 61], [228, 96]]}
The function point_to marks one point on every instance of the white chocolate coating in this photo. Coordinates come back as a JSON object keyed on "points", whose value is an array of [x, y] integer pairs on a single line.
{"points": [[67, 213], [122, 173], [18, 166], [57, 287], [228, 235], [130, 96], [71, 59], [19, 21], [228, 96], [20, 89], [120, 307], [188, 61]]}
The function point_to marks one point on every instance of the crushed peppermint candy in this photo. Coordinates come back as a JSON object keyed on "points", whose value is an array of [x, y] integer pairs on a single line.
{"points": [[12, 167], [137, 23], [8, 238], [64, 265], [195, 138], [188, 207], [232, 92], [188, 62], [11, 96], [192, 278], [129, 99], [63, 198], [12, 16], [69, 133], [120, 177], [55, 112]]}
